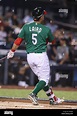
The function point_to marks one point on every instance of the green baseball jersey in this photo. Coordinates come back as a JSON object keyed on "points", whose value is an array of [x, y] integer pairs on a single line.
{"points": [[35, 36]]}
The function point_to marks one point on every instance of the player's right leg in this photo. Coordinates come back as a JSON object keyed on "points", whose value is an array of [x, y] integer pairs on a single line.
{"points": [[52, 98]]}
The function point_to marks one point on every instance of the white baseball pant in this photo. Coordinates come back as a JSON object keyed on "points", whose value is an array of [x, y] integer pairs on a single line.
{"points": [[39, 63]]}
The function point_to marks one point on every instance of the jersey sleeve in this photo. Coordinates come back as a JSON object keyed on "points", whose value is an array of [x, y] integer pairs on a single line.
{"points": [[22, 33], [50, 36]]}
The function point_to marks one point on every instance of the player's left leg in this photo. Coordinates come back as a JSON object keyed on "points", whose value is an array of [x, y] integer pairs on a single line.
{"points": [[36, 63], [40, 66], [33, 95]]}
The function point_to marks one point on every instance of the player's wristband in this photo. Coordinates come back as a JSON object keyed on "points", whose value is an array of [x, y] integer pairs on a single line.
{"points": [[12, 50]]}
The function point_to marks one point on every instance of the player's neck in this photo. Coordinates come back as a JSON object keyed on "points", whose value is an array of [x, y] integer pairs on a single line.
{"points": [[37, 21]]}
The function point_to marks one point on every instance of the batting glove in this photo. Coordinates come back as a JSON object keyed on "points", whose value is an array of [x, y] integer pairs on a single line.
{"points": [[10, 54]]}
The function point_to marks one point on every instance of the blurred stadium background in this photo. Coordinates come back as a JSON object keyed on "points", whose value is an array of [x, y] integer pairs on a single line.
{"points": [[61, 18]]}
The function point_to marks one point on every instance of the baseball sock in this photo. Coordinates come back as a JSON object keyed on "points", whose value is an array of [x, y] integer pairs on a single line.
{"points": [[40, 85], [49, 92]]}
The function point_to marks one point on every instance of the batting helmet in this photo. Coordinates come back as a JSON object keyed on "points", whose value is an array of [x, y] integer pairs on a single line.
{"points": [[38, 12]]}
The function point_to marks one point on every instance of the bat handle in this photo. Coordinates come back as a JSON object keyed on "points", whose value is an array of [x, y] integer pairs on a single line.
{"points": [[3, 58]]}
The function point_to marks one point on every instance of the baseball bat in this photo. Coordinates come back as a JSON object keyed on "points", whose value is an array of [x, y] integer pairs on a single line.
{"points": [[3, 58]]}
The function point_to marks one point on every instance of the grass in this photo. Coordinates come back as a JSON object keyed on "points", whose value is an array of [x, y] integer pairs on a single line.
{"points": [[68, 95]]}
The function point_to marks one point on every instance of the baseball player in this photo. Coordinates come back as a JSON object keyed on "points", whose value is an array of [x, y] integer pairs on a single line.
{"points": [[36, 36]]}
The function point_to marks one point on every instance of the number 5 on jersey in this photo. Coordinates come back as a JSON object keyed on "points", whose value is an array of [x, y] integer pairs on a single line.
{"points": [[34, 39]]}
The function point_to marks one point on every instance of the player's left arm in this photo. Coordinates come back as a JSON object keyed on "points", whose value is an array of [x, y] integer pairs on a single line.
{"points": [[51, 39], [19, 39], [16, 44]]}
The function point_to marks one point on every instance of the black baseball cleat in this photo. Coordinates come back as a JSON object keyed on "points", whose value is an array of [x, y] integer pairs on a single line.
{"points": [[33, 98]]}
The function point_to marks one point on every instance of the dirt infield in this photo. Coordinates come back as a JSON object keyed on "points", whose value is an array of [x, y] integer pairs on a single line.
{"points": [[15, 103], [25, 105]]}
